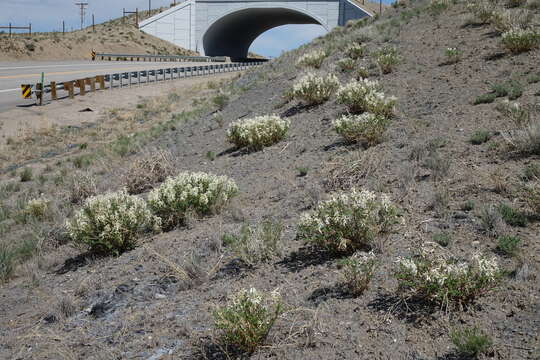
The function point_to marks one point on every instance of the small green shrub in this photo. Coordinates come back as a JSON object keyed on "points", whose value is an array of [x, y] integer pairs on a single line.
{"points": [[442, 239], [531, 172], [365, 127], [357, 271], [432, 276], [198, 192], [256, 244], [258, 132], [387, 59], [508, 245], [470, 342], [468, 205], [26, 175], [531, 195], [480, 137], [517, 40], [248, 318], [346, 64], [302, 171], [312, 59], [6, 262], [355, 51], [111, 223], [221, 100], [366, 96], [314, 90], [453, 55], [348, 221], [485, 99], [512, 216], [513, 89]]}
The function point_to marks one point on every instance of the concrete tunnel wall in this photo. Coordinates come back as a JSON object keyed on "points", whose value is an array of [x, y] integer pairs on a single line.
{"points": [[233, 34]]}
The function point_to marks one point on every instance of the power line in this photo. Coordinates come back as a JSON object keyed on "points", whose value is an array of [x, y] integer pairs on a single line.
{"points": [[82, 6]]}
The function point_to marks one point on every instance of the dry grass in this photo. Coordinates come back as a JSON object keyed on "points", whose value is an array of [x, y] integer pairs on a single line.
{"points": [[148, 170]]}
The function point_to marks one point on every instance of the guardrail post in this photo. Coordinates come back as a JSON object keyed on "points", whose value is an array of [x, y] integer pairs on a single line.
{"points": [[121, 78], [39, 93], [129, 78], [53, 90], [92, 84], [82, 87], [101, 81]]}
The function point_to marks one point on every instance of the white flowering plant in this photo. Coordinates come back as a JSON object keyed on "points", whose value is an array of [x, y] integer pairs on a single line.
{"points": [[387, 58], [364, 127], [453, 55], [313, 59], [37, 208], [508, 19], [248, 318], [258, 132], [355, 50], [365, 95], [348, 221], [358, 270], [111, 223], [190, 192], [520, 40], [314, 89], [346, 64], [432, 276]]}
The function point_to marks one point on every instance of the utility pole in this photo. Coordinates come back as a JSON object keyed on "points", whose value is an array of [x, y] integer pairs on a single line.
{"points": [[149, 7], [82, 6]]}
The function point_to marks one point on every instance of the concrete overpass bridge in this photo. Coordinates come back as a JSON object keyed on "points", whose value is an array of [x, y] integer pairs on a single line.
{"points": [[229, 27]]}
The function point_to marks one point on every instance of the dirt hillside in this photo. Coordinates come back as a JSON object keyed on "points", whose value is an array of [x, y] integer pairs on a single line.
{"points": [[115, 36], [459, 160]]}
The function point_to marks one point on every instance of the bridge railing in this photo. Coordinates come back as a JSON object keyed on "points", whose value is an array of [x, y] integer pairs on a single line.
{"points": [[169, 58]]}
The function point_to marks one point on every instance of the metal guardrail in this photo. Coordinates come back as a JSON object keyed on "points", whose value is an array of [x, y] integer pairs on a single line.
{"points": [[130, 78], [136, 57]]}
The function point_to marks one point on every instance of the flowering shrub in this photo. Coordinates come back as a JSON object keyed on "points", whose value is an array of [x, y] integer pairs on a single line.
{"points": [[258, 132], [514, 111], [482, 9], [37, 208], [313, 59], [198, 192], [314, 89], [348, 221], [111, 223], [362, 72], [357, 271], [365, 96], [355, 50], [346, 64], [387, 58], [453, 55], [519, 40], [248, 318], [368, 127], [506, 20], [434, 277]]}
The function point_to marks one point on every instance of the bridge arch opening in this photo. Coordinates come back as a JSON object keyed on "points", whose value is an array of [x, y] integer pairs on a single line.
{"points": [[233, 34]]}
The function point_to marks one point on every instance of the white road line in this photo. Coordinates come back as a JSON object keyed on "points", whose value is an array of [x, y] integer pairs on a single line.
{"points": [[73, 65], [7, 90]]}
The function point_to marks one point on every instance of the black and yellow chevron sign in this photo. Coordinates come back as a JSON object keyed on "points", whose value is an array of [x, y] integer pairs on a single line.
{"points": [[93, 54], [26, 91]]}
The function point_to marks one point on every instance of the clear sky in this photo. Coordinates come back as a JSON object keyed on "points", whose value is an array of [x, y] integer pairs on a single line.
{"points": [[47, 15]]}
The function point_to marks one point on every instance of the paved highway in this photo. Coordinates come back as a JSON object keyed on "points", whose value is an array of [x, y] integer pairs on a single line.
{"points": [[13, 74]]}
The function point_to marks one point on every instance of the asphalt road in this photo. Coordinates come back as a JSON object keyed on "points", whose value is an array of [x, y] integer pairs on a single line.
{"points": [[13, 74]]}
